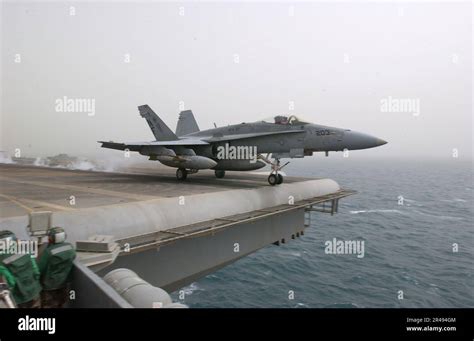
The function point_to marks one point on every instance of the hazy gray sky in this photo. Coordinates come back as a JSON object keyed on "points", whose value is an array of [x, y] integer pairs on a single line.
{"points": [[335, 61]]}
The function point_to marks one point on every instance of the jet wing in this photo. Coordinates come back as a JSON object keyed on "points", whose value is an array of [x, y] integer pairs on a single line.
{"points": [[136, 146], [182, 142], [249, 135]]}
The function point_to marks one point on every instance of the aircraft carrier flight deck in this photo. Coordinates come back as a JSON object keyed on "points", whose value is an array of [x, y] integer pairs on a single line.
{"points": [[24, 188], [142, 225]]}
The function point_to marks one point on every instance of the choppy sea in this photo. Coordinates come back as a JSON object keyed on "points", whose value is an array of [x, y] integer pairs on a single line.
{"points": [[419, 251]]}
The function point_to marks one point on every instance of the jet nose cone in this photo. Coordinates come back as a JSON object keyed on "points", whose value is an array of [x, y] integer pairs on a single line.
{"points": [[356, 140]]}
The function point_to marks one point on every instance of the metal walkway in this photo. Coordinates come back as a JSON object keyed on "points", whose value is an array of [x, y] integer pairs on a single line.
{"points": [[143, 242]]}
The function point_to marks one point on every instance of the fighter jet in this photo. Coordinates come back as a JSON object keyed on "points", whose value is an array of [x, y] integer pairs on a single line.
{"points": [[240, 147]]}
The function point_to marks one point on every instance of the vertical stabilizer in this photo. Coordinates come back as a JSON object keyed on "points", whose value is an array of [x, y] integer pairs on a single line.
{"points": [[186, 123], [157, 126]]}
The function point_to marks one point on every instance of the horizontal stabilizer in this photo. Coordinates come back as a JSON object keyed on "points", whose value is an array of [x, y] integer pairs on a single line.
{"points": [[120, 146], [136, 146]]}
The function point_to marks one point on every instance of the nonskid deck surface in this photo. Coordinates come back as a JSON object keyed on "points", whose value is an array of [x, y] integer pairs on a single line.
{"points": [[28, 188]]}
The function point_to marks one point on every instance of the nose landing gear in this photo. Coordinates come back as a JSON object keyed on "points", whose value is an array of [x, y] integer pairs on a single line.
{"points": [[280, 179], [275, 178]]}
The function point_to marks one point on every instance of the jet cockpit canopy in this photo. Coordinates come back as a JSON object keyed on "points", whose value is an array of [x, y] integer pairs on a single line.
{"points": [[285, 120]]}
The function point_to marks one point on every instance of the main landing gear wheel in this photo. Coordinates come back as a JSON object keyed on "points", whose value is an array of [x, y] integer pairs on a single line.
{"points": [[272, 179], [181, 174], [219, 173]]}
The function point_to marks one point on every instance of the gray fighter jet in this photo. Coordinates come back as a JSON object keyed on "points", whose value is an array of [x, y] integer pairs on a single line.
{"points": [[240, 147]]}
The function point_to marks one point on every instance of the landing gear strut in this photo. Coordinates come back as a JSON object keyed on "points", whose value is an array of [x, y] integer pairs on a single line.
{"points": [[219, 173], [181, 174], [275, 178]]}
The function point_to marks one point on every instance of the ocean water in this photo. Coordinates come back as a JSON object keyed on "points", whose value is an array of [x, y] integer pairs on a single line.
{"points": [[408, 247]]}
